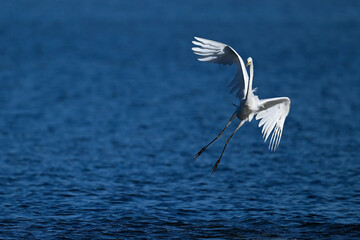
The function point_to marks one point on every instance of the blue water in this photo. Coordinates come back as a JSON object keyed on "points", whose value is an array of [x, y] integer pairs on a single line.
{"points": [[103, 106]]}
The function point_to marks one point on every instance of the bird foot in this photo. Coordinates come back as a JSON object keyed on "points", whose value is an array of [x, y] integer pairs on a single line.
{"points": [[213, 170], [199, 153]]}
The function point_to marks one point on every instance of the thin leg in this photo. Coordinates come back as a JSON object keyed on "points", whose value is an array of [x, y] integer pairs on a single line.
{"points": [[227, 141], [203, 149]]}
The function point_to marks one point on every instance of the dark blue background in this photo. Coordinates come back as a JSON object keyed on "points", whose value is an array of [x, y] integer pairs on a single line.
{"points": [[103, 105]]}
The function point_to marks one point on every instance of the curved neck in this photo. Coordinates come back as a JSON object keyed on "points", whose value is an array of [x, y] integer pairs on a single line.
{"points": [[249, 91]]}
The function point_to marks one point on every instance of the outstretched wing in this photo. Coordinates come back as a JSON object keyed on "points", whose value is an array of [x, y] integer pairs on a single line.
{"points": [[216, 52], [273, 112]]}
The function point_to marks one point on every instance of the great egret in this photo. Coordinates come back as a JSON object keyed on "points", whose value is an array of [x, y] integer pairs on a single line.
{"points": [[272, 111]]}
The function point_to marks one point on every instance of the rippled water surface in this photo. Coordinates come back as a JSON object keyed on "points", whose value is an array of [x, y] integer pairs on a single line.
{"points": [[103, 105]]}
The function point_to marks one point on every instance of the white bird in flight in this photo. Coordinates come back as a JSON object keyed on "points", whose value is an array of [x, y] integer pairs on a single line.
{"points": [[271, 111]]}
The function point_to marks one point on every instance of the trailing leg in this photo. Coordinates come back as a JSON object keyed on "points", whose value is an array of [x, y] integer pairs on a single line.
{"points": [[227, 141], [203, 149]]}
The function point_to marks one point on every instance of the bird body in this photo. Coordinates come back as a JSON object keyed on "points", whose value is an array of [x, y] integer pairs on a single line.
{"points": [[271, 112], [246, 109]]}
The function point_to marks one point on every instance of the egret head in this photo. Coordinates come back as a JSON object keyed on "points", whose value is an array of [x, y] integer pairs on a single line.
{"points": [[249, 61]]}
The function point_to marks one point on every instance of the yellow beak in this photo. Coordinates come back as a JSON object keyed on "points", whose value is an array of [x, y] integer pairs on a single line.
{"points": [[247, 64]]}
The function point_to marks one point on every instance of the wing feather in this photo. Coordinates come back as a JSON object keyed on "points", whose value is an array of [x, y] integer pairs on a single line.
{"points": [[273, 112], [216, 52]]}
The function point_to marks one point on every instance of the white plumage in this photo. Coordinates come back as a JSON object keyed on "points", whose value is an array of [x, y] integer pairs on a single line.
{"points": [[272, 112], [216, 52]]}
